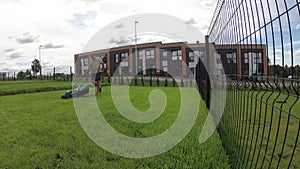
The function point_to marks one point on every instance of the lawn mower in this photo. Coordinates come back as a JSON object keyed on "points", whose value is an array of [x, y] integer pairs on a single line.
{"points": [[78, 92]]}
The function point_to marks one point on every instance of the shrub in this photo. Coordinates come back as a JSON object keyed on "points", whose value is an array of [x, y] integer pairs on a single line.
{"points": [[142, 79], [135, 81], [122, 81], [166, 82], [181, 83], [174, 83], [108, 79], [150, 82]]}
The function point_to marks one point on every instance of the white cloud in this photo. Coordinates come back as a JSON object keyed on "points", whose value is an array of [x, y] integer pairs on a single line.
{"points": [[297, 57], [83, 20], [9, 50], [27, 38], [298, 26], [14, 55], [71, 23], [52, 46]]}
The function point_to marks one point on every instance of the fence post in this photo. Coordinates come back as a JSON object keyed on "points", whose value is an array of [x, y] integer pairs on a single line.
{"points": [[54, 73], [207, 52], [71, 73]]}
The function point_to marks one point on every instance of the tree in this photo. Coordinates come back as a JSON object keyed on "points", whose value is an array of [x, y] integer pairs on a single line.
{"points": [[21, 75], [28, 73], [276, 70], [287, 71], [36, 67], [297, 71]]}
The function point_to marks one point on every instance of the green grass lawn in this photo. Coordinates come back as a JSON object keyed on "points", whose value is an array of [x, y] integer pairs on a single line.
{"points": [[40, 130], [30, 86], [262, 129]]}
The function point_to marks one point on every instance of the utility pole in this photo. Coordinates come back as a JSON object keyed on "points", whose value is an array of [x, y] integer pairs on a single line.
{"points": [[136, 52]]}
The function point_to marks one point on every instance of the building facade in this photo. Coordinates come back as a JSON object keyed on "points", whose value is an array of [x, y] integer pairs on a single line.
{"points": [[159, 59]]}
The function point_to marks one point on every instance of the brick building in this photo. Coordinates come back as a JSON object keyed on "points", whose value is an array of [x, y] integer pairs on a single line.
{"points": [[243, 60]]}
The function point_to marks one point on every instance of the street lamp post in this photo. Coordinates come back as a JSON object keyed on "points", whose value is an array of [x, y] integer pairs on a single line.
{"points": [[136, 52], [40, 59]]}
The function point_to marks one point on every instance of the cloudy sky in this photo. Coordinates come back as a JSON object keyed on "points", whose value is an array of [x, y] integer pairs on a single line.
{"points": [[63, 27]]}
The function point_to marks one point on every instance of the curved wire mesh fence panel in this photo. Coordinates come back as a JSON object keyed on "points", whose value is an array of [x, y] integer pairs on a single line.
{"points": [[258, 42]]}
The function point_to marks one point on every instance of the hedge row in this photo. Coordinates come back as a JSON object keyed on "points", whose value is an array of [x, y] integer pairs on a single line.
{"points": [[47, 89]]}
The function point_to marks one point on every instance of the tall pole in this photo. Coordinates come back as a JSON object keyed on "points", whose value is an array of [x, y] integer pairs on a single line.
{"points": [[136, 52], [40, 59], [71, 73], [209, 70]]}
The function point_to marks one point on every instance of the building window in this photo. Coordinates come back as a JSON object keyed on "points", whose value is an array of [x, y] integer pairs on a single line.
{"points": [[116, 57], [234, 58], [191, 57], [257, 58], [199, 54], [246, 58], [124, 56], [165, 55], [179, 53], [176, 55], [141, 53], [165, 69], [85, 61], [231, 57], [150, 54], [253, 57], [165, 63]]}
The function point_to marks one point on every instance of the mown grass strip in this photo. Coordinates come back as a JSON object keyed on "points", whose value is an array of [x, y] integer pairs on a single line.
{"points": [[40, 130]]}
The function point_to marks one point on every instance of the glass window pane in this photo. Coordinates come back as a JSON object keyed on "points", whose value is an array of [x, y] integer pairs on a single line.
{"points": [[179, 53], [165, 54], [228, 56], [165, 63], [174, 53], [233, 55], [152, 52]]}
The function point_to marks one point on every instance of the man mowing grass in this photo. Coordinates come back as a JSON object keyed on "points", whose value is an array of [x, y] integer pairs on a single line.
{"points": [[97, 81]]}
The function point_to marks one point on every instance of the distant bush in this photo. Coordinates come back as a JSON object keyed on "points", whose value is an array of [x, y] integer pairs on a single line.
{"points": [[150, 82], [135, 81], [166, 82], [142, 80], [174, 83]]}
